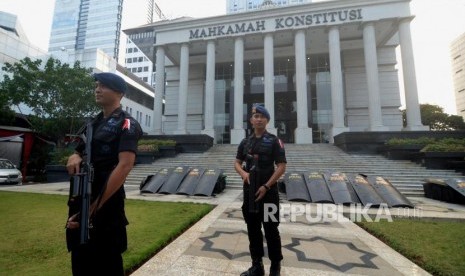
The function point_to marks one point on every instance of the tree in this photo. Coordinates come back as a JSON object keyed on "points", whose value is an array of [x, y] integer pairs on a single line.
{"points": [[456, 122], [434, 117], [60, 96]]}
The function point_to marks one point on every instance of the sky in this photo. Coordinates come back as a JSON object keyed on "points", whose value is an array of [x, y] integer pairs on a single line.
{"points": [[437, 23]]}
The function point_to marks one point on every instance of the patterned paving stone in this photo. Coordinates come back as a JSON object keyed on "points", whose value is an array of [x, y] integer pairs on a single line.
{"points": [[343, 255]]}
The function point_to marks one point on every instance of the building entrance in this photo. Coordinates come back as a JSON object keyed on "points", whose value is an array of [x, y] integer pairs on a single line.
{"points": [[285, 103], [285, 113]]}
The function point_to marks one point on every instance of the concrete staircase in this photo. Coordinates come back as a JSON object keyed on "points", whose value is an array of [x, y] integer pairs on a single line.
{"points": [[406, 176]]}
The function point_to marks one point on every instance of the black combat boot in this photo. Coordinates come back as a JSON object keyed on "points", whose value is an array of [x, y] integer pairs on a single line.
{"points": [[256, 269], [275, 269]]}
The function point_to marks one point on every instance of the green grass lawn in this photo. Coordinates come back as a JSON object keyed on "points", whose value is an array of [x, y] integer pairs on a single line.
{"points": [[32, 234], [436, 246]]}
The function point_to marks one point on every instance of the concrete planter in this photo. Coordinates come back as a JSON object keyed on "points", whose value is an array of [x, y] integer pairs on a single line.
{"points": [[402, 152], [147, 157], [167, 151], [440, 160]]}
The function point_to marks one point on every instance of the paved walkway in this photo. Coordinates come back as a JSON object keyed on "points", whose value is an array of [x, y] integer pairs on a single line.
{"points": [[218, 245]]}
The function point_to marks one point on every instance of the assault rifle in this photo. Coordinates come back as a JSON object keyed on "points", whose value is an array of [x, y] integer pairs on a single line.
{"points": [[80, 190], [254, 183]]}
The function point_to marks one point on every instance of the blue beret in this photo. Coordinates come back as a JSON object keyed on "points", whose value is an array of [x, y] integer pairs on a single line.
{"points": [[258, 108], [112, 81]]}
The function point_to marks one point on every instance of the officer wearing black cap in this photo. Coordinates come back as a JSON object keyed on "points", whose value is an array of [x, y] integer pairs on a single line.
{"points": [[113, 152], [269, 152]]}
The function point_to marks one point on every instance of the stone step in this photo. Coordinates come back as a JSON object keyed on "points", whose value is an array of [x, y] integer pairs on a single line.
{"points": [[406, 176]]}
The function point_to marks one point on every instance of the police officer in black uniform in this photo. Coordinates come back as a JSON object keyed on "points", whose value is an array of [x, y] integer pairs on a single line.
{"points": [[268, 151], [113, 152]]}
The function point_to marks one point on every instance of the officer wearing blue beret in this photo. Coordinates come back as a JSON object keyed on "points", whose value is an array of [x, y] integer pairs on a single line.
{"points": [[268, 151], [112, 81], [113, 152], [258, 108]]}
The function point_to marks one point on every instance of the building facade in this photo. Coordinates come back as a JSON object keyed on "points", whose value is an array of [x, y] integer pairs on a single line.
{"points": [[14, 44], [91, 24], [320, 69], [138, 63], [89, 31], [136, 13], [235, 6], [457, 50], [87, 24]]}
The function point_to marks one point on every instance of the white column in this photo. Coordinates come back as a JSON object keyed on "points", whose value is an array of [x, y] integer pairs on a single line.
{"points": [[159, 90], [371, 66], [269, 81], [238, 132], [337, 92], [210, 91], [303, 134], [410, 82], [183, 84]]}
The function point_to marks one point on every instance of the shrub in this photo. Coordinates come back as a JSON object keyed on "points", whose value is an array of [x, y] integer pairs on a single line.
{"points": [[446, 145], [410, 141], [167, 143], [153, 144]]}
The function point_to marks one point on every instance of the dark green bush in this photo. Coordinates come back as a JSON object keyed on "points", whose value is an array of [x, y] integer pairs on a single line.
{"points": [[431, 144], [153, 144], [446, 145], [410, 141]]}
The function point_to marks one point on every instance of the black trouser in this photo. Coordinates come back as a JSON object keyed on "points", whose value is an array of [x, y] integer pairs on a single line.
{"points": [[102, 255], [254, 223]]}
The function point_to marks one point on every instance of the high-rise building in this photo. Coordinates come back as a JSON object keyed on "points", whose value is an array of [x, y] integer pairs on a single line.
{"points": [[137, 13], [138, 63], [234, 6], [457, 50], [89, 31], [14, 44], [87, 24]]}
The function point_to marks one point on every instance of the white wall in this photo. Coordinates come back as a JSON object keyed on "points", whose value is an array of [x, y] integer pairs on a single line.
{"points": [[356, 89]]}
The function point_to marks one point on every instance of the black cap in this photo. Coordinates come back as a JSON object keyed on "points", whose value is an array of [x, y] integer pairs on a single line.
{"points": [[112, 81], [258, 108]]}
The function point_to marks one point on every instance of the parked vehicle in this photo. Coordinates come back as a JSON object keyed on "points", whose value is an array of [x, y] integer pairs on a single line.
{"points": [[9, 174]]}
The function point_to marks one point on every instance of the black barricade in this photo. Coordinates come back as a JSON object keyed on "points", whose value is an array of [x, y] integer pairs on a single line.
{"points": [[207, 182], [173, 181], [155, 182], [296, 190], [317, 187], [365, 191], [190, 182], [388, 192], [451, 190], [458, 184], [341, 190]]}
